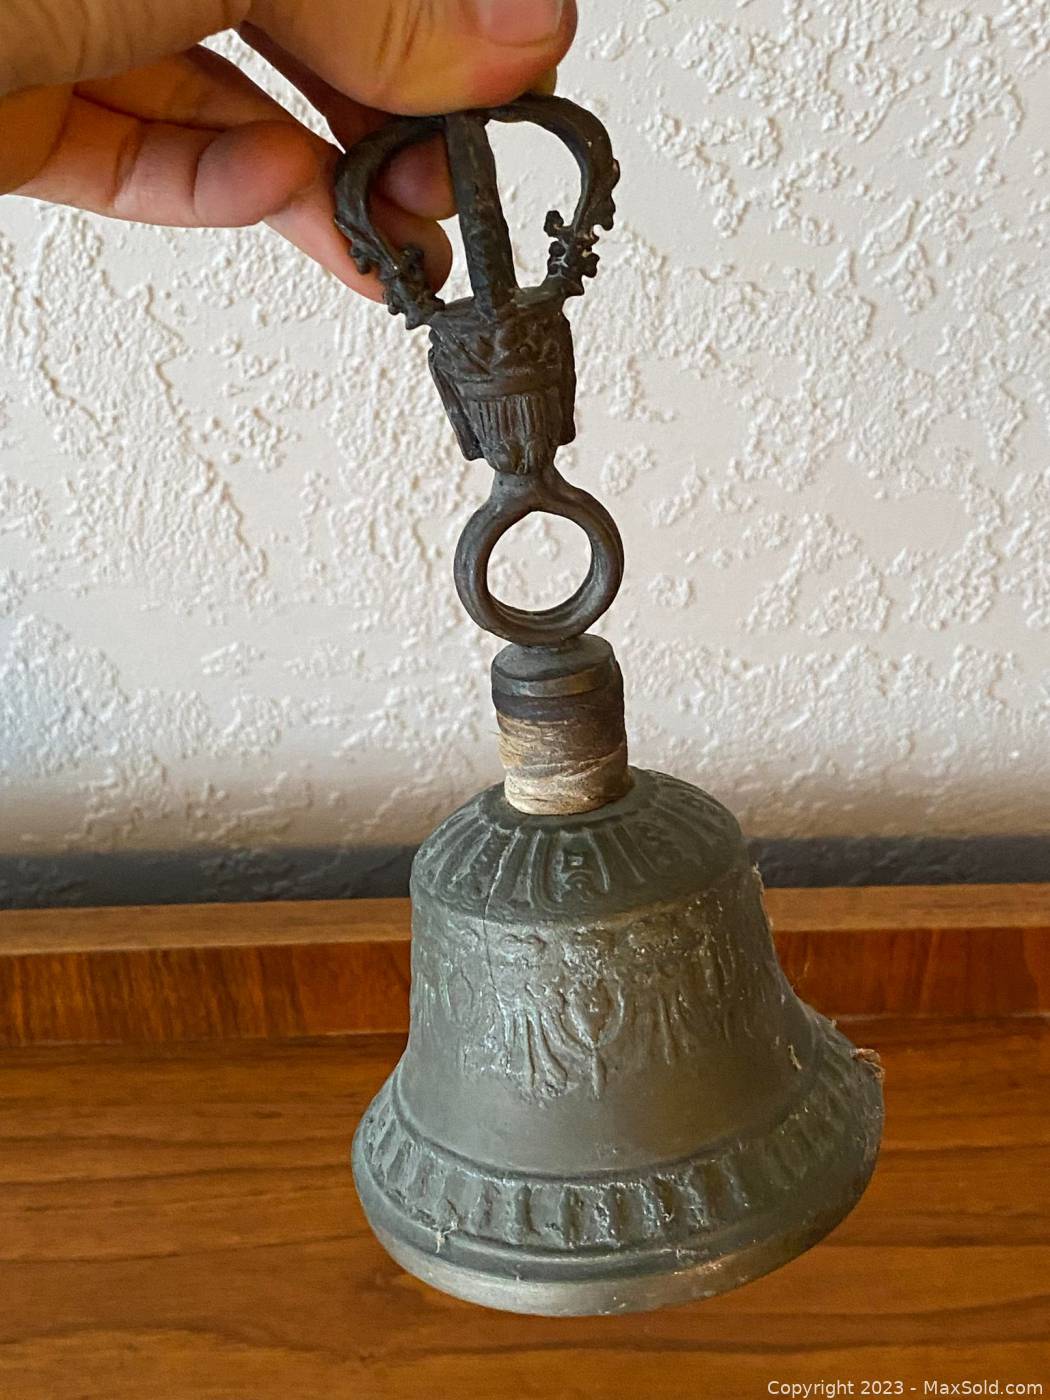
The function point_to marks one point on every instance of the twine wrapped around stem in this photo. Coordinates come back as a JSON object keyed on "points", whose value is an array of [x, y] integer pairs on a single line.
{"points": [[562, 739]]}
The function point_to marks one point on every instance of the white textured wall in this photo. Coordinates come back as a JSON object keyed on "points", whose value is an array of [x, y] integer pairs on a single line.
{"points": [[815, 390]]}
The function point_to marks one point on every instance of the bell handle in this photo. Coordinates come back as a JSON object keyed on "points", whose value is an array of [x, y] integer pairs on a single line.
{"points": [[401, 271], [485, 237], [571, 258]]}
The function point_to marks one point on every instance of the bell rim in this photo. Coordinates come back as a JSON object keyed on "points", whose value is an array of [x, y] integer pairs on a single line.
{"points": [[630, 1292], [594, 1280]]}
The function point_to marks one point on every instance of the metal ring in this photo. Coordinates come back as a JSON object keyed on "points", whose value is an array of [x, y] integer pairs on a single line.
{"points": [[512, 498]]}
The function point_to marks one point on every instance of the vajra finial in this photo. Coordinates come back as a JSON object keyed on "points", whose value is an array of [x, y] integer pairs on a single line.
{"points": [[502, 359]]}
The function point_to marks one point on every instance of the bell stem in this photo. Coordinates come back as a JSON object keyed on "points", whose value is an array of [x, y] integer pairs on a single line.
{"points": [[560, 715], [486, 238]]}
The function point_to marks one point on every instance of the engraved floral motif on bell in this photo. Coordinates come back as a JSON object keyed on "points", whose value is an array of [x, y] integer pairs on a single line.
{"points": [[611, 1098]]}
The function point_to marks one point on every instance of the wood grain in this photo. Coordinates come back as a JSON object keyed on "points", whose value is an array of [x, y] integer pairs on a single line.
{"points": [[181, 1224], [163, 974]]}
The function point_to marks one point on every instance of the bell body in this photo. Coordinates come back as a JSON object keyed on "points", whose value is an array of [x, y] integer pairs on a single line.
{"points": [[611, 1098]]}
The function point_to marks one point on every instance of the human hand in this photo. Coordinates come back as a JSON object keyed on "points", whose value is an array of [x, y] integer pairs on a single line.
{"points": [[113, 106]]}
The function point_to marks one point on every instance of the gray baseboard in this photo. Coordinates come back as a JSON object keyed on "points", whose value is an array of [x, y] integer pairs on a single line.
{"points": [[908, 860], [189, 877]]}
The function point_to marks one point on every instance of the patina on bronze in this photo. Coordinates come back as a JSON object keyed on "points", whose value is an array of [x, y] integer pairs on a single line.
{"points": [[502, 359], [611, 1098]]}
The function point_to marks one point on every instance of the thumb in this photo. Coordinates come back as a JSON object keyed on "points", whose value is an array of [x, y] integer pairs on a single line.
{"points": [[422, 55]]}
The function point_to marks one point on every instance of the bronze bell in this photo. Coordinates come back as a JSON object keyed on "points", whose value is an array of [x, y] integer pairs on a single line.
{"points": [[611, 1098]]}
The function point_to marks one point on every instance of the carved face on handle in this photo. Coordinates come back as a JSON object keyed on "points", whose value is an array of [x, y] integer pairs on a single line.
{"points": [[502, 359], [508, 384]]}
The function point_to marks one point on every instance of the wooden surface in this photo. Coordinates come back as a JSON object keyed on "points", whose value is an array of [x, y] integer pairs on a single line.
{"points": [[181, 1225], [165, 974]]}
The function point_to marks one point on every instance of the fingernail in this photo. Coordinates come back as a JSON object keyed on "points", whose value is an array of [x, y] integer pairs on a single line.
{"points": [[518, 21]]}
